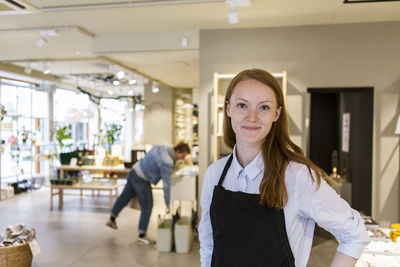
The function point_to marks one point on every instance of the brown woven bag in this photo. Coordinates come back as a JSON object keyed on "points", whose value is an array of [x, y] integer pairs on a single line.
{"points": [[16, 256]]}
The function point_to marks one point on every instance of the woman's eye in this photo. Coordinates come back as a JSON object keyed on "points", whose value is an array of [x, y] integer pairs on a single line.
{"points": [[241, 105], [264, 107]]}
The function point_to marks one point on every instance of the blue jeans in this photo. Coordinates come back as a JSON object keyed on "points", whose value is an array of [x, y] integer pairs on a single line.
{"points": [[142, 188]]}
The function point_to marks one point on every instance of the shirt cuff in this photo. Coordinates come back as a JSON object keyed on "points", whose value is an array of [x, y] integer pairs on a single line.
{"points": [[205, 263], [352, 250]]}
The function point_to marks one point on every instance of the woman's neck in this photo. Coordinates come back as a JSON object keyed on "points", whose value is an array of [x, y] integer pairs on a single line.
{"points": [[246, 153]]}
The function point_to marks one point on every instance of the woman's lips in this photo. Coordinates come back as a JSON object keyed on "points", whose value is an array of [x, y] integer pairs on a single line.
{"points": [[251, 128]]}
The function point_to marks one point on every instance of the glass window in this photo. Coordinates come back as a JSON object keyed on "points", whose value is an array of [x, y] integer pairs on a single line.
{"points": [[24, 102], [40, 103]]}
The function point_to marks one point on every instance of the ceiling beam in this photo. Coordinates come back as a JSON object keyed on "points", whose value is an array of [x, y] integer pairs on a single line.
{"points": [[125, 4], [57, 28]]}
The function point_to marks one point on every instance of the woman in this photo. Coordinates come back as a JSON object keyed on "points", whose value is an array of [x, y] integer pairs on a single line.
{"points": [[260, 205]]}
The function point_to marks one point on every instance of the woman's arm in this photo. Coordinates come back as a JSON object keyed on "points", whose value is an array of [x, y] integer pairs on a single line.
{"points": [[342, 260], [205, 229], [332, 213]]}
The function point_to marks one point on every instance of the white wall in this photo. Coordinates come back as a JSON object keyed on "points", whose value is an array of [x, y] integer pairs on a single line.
{"points": [[158, 115], [347, 55]]}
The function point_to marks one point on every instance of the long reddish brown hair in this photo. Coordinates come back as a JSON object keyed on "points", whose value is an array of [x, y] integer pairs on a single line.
{"points": [[277, 149]]}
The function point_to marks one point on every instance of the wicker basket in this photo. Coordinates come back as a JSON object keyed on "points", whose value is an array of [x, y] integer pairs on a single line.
{"points": [[16, 256]]}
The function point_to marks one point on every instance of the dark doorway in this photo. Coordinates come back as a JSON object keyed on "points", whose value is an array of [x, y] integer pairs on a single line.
{"points": [[329, 108]]}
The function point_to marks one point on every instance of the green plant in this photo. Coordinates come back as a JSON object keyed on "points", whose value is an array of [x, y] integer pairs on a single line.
{"points": [[112, 132], [62, 133]]}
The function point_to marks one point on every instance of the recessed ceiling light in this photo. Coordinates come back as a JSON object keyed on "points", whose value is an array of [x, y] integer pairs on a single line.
{"points": [[130, 92], [116, 82], [132, 82], [110, 92]]}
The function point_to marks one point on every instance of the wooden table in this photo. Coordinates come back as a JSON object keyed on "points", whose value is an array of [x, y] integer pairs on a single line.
{"points": [[120, 170], [112, 188]]}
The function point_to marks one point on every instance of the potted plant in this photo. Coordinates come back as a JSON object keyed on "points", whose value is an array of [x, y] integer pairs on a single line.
{"points": [[62, 134], [112, 132]]}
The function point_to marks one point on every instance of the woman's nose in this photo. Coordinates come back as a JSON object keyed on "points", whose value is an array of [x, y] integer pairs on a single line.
{"points": [[252, 115]]}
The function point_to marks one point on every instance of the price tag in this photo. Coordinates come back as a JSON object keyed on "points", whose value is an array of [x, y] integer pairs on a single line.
{"points": [[34, 247]]}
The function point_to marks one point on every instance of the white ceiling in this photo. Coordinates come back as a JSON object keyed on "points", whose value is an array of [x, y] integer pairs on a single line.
{"points": [[82, 26]]}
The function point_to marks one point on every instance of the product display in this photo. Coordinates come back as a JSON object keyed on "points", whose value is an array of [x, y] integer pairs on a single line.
{"points": [[18, 246], [16, 235]]}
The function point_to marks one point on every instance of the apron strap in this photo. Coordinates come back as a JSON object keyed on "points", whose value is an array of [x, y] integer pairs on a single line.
{"points": [[227, 165]]}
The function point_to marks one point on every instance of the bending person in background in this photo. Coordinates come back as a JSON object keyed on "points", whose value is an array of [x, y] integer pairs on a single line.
{"points": [[157, 164], [260, 204]]}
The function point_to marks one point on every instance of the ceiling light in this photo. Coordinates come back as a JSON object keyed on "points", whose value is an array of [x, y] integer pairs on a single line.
{"points": [[110, 92], [233, 16], [46, 70], [28, 69], [116, 82], [42, 42], [120, 74], [130, 92], [184, 42], [132, 82], [48, 32], [154, 88]]}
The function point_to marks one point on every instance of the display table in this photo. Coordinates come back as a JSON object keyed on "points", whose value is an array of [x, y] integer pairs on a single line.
{"points": [[381, 251], [111, 187], [120, 170]]}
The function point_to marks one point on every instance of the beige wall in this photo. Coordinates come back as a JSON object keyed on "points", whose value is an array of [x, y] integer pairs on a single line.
{"points": [[317, 56], [158, 116]]}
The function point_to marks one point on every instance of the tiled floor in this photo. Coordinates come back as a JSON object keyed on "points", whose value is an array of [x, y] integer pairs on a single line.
{"points": [[77, 235]]}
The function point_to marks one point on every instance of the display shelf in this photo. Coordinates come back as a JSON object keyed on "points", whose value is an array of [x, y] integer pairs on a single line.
{"points": [[184, 118]]}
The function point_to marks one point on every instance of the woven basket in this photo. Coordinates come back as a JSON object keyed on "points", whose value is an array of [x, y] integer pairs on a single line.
{"points": [[16, 256]]}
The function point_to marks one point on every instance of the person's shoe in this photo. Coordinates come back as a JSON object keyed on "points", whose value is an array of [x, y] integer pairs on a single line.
{"points": [[112, 224], [145, 241]]}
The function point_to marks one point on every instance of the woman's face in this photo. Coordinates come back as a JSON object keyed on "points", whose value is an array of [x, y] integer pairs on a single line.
{"points": [[252, 109]]}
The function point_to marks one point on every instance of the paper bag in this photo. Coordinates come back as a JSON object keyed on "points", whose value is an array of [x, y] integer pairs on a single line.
{"points": [[134, 203]]}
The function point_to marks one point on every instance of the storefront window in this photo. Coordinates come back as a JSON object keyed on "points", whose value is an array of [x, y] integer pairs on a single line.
{"points": [[24, 133], [69, 110]]}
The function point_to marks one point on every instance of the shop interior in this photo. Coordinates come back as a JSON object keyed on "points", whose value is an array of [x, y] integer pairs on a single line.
{"points": [[86, 89]]}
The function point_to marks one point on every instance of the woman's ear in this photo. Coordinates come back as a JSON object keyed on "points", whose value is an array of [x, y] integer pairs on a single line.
{"points": [[228, 109], [277, 113]]}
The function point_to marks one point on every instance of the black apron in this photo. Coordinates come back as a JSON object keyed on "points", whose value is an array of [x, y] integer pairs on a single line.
{"points": [[245, 233]]}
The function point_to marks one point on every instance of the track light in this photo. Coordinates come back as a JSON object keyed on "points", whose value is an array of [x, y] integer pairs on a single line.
{"points": [[28, 69], [184, 42], [120, 74], [46, 69], [42, 42], [233, 16], [154, 88]]}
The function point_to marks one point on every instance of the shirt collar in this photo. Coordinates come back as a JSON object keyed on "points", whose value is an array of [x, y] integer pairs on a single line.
{"points": [[252, 169], [172, 153]]}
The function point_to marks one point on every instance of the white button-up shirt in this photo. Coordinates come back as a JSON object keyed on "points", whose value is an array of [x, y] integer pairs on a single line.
{"points": [[306, 206]]}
